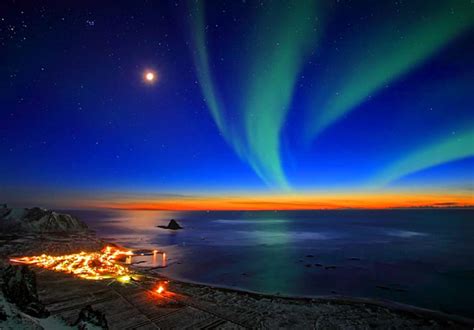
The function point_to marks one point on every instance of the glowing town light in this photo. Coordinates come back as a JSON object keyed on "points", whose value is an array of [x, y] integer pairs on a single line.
{"points": [[93, 266], [124, 279]]}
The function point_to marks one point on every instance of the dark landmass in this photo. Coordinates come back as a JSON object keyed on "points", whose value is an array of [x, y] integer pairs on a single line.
{"points": [[38, 220]]}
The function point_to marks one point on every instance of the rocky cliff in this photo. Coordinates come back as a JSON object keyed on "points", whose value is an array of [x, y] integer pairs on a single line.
{"points": [[38, 220]]}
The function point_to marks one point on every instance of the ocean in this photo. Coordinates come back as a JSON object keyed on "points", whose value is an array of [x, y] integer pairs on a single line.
{"points": [[421, 257]]}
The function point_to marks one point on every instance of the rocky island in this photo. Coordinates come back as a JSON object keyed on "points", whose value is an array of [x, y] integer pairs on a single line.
{"points": [[172, 225]]}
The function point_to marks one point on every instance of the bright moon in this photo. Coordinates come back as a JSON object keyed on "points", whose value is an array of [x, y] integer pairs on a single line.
{"points": [[150, 76]]}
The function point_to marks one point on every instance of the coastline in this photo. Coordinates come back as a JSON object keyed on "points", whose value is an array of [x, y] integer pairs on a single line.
{"points": [[341, 299], [234, 305]]}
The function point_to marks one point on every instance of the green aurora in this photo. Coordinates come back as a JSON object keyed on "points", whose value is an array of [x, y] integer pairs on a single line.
{"points": [[269, 92], [270, 77], [374, 58], [201, 60], [457, 146], [384, 54]]}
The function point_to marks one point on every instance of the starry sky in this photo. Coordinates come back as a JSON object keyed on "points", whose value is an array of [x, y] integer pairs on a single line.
{"points": [[253, 104]]}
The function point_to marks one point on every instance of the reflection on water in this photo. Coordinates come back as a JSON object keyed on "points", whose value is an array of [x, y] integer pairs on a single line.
{"points": [[283, 277], [155, 259], [158, 259], [277, 235], [419, 257], [405, 233], [250, 221]]}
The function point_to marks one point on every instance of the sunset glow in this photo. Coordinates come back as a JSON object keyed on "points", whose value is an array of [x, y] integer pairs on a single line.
{"points": [[298, 202]]}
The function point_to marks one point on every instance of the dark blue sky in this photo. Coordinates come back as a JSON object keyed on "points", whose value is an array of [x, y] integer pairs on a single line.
{"points": [[345, 95]]}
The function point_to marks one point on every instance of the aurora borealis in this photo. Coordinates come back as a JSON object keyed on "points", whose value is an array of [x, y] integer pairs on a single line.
{"points": [[382, 52], [257, 105], [269, 76], [456, 147]]}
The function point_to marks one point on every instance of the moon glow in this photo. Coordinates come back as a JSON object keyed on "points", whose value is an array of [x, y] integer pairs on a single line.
{"points": [[149, 76]]}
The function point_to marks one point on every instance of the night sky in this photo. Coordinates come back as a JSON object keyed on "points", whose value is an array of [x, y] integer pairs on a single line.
{"points": [[271, 100]]}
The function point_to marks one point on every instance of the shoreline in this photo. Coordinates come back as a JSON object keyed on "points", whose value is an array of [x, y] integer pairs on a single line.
{"points": [[339, 299], [263, 304]]}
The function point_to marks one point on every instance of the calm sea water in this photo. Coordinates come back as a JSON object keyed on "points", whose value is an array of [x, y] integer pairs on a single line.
{"points": [[419, 257]]}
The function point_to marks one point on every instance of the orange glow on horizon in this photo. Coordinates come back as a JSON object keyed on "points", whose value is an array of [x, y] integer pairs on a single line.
{"points": [[298, 202]]}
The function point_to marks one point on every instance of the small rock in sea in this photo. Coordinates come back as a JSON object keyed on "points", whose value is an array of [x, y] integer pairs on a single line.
{"points": [[330, 267], [309, 256], [91, 319], [383, 287], [307, 265], [173, 225], [244, 274], [318, 265], [354, 259], [333, 292]]}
